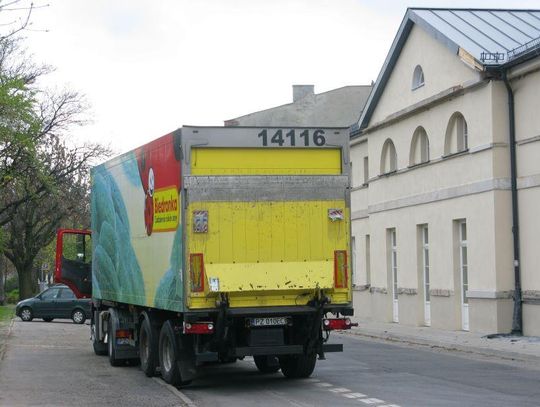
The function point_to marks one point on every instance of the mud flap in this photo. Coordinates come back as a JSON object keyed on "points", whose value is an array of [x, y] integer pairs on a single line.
{"points": [[186, 357]]}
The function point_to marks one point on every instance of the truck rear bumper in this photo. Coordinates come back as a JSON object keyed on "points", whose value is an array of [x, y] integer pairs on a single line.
{"points": [[194, 315], [266, 350]]}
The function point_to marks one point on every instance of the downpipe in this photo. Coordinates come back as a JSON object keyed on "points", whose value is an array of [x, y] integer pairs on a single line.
{"points": [[517, 318]]}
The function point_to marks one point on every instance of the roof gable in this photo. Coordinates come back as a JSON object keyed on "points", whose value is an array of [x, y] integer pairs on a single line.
{"points": [[488, 37]]}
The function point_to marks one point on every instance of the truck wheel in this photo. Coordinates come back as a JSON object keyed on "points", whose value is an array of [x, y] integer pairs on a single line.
{"points": [[297, 366], [110, 345], [266, 364], [148, 347], [168, 355], [100, 348]]}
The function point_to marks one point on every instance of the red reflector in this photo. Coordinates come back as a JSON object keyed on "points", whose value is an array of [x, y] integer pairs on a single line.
{"points": [[196, 269], [337, 323], [340, 269], [123, 333], [203, 328]]}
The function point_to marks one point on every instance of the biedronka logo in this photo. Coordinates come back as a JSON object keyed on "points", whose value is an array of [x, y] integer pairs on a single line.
{"points": [[166, 209]]}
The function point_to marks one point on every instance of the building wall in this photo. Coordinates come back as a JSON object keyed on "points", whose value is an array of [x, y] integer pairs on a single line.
{"points": [[526, 90], [473, 185], [442, 70]]}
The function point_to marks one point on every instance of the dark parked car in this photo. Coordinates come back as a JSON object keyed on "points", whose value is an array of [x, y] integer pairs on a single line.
{"points": [[55, 302]]}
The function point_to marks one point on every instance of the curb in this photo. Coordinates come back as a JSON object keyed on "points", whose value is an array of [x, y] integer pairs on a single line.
{"points": [[453, 347], [3, 343]]}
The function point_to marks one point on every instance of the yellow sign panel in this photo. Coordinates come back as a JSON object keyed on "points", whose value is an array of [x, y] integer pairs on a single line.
{"points": [[265, 161], [166, 209]]}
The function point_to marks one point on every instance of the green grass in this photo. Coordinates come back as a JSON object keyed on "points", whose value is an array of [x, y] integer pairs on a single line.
{"points": [[7, 312]]}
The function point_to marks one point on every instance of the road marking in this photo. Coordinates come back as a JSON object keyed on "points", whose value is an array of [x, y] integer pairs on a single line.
{"points": [[371, 401], [322, 384], [176, 392], [354, 395], [340, 390]]}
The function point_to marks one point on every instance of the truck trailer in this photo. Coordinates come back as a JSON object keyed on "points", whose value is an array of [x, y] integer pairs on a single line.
{"points": [[211, 244]]}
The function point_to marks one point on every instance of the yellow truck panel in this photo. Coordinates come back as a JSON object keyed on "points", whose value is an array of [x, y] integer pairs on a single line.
{"points": [[268, 247], [252, 161]]}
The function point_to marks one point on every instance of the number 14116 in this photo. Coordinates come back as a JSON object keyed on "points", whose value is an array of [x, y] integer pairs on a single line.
{"points": [[291, 138]]}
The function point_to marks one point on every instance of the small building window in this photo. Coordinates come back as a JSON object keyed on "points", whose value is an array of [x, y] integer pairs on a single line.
{"points": [[388, 157], [418, 77], [456, 139], [419, 147]]}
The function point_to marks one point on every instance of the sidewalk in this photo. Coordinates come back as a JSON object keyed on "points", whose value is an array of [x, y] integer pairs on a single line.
{"points": [[523, 349]]}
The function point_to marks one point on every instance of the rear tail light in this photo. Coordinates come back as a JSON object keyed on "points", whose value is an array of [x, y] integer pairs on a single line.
{"points": [[124, 333], [203, 328], [196, 269], [340, 269], [337, 324]]}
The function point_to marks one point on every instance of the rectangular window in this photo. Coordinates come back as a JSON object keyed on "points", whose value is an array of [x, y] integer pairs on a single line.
{"points": [[391, 242], [463, 260], [368, 261], [425, 260], [353, 260], [393, 259], [366, 170]]}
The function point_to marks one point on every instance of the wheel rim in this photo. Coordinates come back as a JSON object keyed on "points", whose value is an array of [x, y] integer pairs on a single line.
{"points": [[167, 354], [26, 314], [144, 346], [78, 316]]}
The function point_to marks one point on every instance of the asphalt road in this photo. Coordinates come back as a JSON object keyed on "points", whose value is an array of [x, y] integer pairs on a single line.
{"points": [[53, 364]]}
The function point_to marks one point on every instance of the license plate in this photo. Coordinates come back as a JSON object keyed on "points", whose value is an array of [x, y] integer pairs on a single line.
{"points": [[269, 321]]}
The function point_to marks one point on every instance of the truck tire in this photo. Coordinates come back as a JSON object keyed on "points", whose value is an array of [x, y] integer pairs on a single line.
{"points": [[110, 345], [168, 355], [297, 366], [100, 348], [266, 364], [148, 347]]}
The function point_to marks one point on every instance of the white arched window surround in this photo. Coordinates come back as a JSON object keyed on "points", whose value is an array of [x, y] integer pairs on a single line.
{"points": [[457, 135], [418, 77], [388, 157], [419, 153]]}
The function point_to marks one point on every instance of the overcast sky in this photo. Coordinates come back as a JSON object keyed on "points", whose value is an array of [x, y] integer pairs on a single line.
{"points": [[149, 67]]}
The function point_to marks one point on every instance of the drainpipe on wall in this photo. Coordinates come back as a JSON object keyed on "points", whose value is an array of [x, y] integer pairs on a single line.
{"points": [[517, 319]]}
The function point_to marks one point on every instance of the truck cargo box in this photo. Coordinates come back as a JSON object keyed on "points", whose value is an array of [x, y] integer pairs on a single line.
{"points": [[260, 215]]}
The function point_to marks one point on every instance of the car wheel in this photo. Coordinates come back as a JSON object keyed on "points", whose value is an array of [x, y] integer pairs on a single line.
{"points": [[26, 314], [48, 319], [78, 316], [266, 364]]}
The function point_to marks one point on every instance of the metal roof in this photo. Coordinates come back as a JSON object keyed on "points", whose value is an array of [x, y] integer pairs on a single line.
{"points": [[493, 37]]}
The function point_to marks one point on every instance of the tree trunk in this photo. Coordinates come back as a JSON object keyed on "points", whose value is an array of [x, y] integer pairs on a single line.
{"points": [[26, 282]]}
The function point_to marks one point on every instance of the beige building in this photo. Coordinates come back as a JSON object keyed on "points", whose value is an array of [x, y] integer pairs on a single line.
{"points": [[432, 192], [335, 108]]}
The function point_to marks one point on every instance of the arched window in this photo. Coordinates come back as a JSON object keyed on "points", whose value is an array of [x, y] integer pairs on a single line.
{"points": [[456, 135], [418, 77], [388, 157], [419, 147]]}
